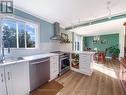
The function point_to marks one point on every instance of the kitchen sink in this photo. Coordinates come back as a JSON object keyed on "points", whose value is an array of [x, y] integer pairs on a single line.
{"points": [[20, 58], [12, 59]]}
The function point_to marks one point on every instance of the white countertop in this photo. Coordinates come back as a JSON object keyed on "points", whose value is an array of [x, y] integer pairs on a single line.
{"points": [[27, 58], [9, 62], [34, 57], [85, 52]]}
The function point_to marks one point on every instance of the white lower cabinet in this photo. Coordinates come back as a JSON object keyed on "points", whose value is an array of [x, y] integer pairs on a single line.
{"points": [[16, 79], [54, 67], [2, 82], [8, 77], [86, 62]]}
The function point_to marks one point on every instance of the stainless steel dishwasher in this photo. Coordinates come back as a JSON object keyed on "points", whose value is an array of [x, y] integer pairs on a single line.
{"points": [[39, 72]]}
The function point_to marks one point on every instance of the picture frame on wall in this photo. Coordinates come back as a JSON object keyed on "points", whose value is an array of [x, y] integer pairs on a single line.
{"points": [[95, 41], [103, 41]]}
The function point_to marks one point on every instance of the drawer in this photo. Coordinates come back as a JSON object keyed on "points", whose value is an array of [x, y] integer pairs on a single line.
{"points": [[54, 71], [54, 64], [85, 63], [54, 68], [86, 72], [53, 60], [84, 66], [85, 55], [85, 58], [54, 57], [53, 76], [85, 69]]}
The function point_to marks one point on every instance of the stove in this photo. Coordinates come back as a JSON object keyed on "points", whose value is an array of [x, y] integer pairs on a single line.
{"points": [[64, 62]]}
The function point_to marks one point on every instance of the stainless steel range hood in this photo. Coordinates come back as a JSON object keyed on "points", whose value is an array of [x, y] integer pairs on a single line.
{"points": [[56, 35]]}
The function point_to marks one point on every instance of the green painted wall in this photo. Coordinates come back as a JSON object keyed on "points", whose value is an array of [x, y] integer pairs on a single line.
{"points": [[111, 39]]}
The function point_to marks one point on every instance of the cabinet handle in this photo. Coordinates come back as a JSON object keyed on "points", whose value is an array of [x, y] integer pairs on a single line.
{"points": [[2, 78], [8, 75], [39, 62]]}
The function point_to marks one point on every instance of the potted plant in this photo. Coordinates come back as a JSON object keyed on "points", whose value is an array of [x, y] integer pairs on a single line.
{"points": [[114, 52]]}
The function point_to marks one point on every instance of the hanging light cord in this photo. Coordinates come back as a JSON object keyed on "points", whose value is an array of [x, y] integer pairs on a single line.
{"points": [[109, 9]]}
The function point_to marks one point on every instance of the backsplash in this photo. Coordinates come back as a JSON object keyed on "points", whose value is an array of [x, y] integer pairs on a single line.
{"points": [[66, 47], [44, 48]]}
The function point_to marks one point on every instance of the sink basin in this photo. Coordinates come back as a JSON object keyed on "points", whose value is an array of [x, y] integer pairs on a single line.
{"points": [[12, 59], [20, 58]]}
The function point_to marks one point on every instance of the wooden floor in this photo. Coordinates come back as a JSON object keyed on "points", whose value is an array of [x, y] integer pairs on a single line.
{"points": [[104, 81], [51, 88]]}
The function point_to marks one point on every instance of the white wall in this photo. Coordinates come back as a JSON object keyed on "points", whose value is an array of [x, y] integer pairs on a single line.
{"points": [[121, 41], [66, 47]]}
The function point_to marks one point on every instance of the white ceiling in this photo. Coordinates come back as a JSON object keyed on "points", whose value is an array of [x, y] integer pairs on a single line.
{"points": [[109, 27], [67, 12]]}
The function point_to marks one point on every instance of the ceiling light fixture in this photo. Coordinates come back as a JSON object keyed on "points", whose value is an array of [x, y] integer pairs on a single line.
{"points": [[109, 17], [109, 9]]}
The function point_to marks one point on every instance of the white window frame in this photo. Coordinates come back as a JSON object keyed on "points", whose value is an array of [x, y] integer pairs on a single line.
{"points": [[26, 21], [78, 38]]}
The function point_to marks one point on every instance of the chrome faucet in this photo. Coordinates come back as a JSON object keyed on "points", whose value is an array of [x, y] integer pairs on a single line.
{"points": [[2, 59], [3, 53]]}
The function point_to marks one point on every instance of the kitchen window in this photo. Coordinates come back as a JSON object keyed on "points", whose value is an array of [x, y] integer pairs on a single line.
{"points": [[77, 42], [19, 34]]}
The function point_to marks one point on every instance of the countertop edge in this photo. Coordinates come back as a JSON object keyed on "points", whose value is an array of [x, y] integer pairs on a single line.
{"points": [[29, 58]]}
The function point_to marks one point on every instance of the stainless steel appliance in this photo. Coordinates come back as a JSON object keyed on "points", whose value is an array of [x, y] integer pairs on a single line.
{"points": [[39, 72], [56, 35], [64, 62]]}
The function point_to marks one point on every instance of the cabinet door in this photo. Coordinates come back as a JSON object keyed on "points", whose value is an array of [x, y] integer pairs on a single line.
{"points": [[85, 60], [20, 75], [8, 75], [2, 82], [17, 78], [85, 65], [54, 66]]}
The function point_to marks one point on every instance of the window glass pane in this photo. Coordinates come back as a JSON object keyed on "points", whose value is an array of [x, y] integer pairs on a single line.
{"points": [[30, 36], [9, 33], [74, 45], [21, 34], [78, 48]]}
